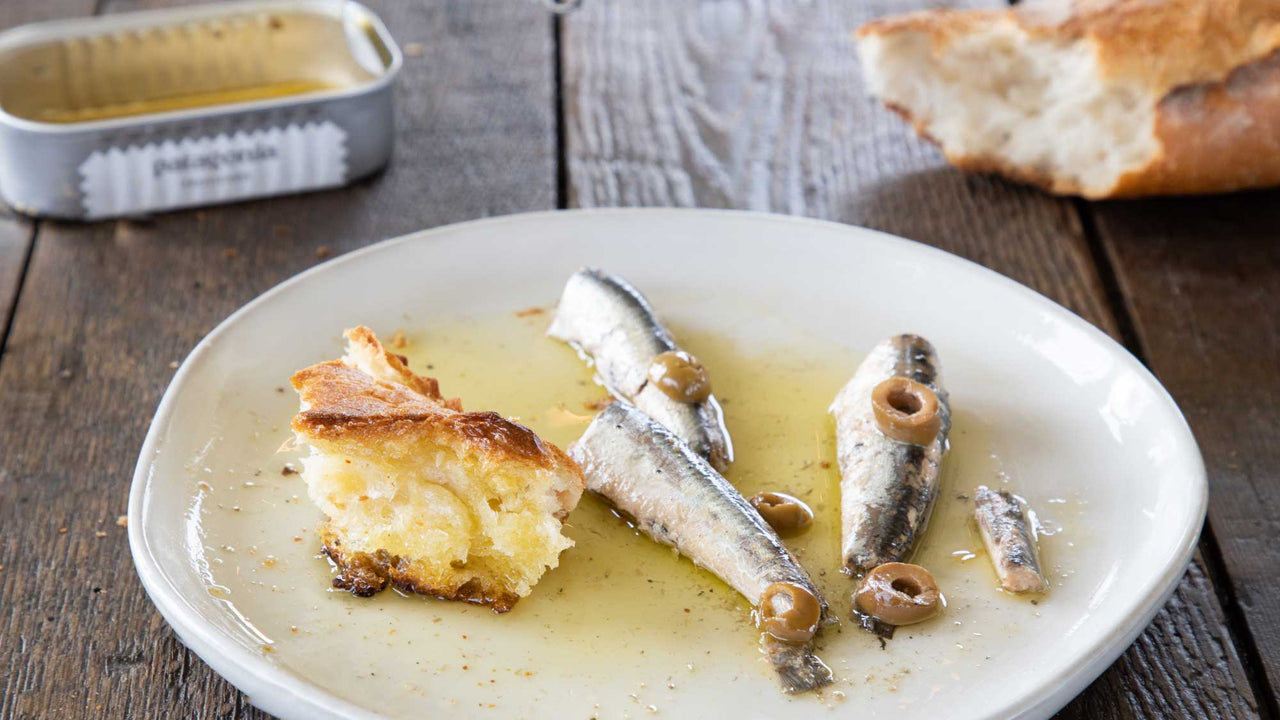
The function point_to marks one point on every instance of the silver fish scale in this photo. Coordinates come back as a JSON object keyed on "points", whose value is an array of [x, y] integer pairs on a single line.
{"points": [[888, 488], [1009, 537], [608, 320], [679, 500]]}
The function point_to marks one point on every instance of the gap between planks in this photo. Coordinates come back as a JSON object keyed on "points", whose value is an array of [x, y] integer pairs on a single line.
{"points": [[11, 302], [557, 108]]}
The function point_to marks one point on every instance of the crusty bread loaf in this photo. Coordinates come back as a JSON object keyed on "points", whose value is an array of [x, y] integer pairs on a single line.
{"points": [[1100, 98], [417, 494]]}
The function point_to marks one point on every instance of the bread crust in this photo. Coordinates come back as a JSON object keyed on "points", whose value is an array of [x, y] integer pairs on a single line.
{"points": [[1162, 44], [344, 403], [1215, 137], [362, 340], [366, 574], [1212, 66]]}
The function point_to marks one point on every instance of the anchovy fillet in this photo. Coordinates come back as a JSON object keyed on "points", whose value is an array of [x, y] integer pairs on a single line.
{"points": [[1010, 537], [888, 488], [678, 499], [604, 317]]}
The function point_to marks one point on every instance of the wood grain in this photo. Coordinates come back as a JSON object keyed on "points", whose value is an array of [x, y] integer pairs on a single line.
{"points": [[15, 240], [17, 232], [1183, 666], [108, 309], [1202, 281], [760, 105]]}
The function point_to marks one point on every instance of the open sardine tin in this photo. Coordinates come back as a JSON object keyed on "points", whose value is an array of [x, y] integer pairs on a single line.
{"points": [[145, 112]]}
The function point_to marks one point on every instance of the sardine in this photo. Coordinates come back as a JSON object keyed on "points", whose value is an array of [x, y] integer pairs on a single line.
{"points": [[1010, 537], [888, 488], [678, 499], [605, 318]]}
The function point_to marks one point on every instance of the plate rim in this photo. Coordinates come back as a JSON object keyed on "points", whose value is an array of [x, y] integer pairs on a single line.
{"points": [[282, 693]]}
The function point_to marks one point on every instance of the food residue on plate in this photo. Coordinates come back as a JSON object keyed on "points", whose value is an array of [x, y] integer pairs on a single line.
{"points": [[619, 593]]}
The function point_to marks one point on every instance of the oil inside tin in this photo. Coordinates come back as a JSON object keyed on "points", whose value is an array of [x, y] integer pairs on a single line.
{"points": [[193, 64]]}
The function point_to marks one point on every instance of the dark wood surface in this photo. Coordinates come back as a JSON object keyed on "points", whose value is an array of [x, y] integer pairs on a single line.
{"points": [[1200, 280], [626, 102]]}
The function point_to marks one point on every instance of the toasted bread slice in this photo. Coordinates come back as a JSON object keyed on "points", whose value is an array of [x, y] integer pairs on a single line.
{"points": [[420, 495]]}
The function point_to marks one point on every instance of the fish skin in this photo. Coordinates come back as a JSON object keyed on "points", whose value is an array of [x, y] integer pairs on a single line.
{"points": [[605, 318], [678, 499], [1010, 538], [888, 488]]}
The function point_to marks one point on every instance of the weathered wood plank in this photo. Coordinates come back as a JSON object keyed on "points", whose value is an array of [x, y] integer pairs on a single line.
{"points": [[108, 307], [760, 106], [1202, 280], [1183, 666], [16, 232], [16, 235]]}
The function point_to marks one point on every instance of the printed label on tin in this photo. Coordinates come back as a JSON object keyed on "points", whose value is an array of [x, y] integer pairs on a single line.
{"points": [[222, 168]]}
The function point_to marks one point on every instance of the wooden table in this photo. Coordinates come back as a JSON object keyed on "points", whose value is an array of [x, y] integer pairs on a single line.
{"points": [[502, 109]]}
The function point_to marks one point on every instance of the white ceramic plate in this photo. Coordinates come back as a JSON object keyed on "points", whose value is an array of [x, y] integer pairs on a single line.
{"points": [[1055, 408]]}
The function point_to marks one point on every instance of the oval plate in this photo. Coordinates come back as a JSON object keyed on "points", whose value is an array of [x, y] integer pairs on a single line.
{"points": [[1071, 412]]}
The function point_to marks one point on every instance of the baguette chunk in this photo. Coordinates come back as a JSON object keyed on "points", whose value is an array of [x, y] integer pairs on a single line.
{"points": [[420, 495], [1098, 98]]}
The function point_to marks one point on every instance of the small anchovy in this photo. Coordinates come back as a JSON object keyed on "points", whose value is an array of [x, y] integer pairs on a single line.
{"points": [[604, 317], [1010, 537], [887, 488], [678, 499]]}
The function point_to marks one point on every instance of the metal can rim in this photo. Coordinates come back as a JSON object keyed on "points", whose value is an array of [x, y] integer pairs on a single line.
{"points": [[50, 29]]}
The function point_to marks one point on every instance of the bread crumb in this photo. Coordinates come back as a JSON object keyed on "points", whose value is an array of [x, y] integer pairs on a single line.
{"points": [[173, 364], [824, 464], [599, 404], [122, 520], [528, 312], [288, 470], [323, 252], [230, 253], [99, 534], [397, 339], [62, 530]]}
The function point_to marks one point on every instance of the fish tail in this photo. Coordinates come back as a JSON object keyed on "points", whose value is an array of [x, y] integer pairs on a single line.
{"points": [[799, 670]]}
